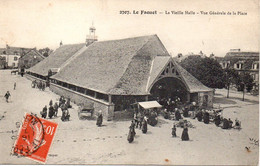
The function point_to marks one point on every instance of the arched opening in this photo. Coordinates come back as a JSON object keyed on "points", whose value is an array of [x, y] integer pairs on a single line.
{"points": [[169, 87]]}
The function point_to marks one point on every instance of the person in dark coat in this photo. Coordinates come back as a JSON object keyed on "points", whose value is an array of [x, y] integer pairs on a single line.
{"points": [[50, 103], [56, 107], [165, 114], [39, 85], [43, 86], [68, 103], [177, 114], [225, 124], [7, 95], [132, 124], [217, 120], [44, 112], [174, 131], [51, 112], [206, 117], [63, 107], [131, 135], [33, 83], [185, 135], [61, 101], [144, 126], [99, 120], [65, 115], [185, 112], [237, 124], [199, 116], [14, 85]]}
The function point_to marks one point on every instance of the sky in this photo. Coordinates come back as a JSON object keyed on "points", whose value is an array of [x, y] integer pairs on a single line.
{"points": [[44, 23]]}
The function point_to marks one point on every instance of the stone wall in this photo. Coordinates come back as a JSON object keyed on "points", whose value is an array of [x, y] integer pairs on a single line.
{"points": [[78, 98], [201, 96]]}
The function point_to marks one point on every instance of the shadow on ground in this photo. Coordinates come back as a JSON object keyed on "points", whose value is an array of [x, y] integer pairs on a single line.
{"points": [[246, 100], [221, 100]]}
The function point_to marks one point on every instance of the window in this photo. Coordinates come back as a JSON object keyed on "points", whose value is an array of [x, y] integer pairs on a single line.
{"points": [[237, 66], [15, 58], [256, 66]]}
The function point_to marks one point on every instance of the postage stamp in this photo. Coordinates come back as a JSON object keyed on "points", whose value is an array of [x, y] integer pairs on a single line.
{"points": [[35, 138]]}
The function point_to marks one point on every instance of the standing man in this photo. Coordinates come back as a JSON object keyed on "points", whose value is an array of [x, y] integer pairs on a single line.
{"points": [[7, 95], [56, 107], [51, 111], [50, 103], [99, 119], [14, 85], [174, 131], [44, 112]]}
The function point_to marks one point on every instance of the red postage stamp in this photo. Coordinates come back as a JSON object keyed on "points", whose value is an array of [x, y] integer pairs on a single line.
{"points": [[35, 138]]}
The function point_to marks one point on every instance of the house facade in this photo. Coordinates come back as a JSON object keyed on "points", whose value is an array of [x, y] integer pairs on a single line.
{"points": [[242, 62], [30, 58], [12, 55]]}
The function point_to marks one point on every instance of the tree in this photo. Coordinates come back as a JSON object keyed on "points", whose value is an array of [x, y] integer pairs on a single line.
{"points": [[243, 80], [45, 51], [231, 77], [206, 70]]}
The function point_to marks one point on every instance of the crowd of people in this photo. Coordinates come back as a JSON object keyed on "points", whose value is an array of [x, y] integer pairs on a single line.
{"points": [[215, 116], [41, 85], [63, 104], [140, 121], [174, 110]]}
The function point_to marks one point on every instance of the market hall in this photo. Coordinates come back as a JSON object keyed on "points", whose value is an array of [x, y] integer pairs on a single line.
{"points": [[115, 74]]}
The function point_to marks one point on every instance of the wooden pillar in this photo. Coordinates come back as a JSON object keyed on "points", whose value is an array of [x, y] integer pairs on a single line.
{"points": [[146, 98], [110, 99], [188, 96]]}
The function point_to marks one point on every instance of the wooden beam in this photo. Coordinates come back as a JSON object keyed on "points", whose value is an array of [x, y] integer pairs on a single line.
{"points": [[110, 99]]}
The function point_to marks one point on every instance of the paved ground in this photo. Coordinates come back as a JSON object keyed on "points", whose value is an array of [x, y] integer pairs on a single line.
{"points": [[81, 142]]}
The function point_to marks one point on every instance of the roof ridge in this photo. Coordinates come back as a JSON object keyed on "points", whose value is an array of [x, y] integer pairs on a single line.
{"points": [[127, 38]]}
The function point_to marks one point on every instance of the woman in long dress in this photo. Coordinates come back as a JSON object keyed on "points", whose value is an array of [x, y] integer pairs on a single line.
{"points": [[174, 131], [185, 135], [99, 120]]}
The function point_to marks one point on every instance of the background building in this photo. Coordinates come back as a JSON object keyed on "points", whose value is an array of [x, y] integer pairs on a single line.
{"points": [[242, 62], [30, 58], [14, 57]]}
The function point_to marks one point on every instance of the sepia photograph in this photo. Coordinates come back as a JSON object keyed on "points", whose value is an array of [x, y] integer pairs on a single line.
{"points": [[140, 82]]}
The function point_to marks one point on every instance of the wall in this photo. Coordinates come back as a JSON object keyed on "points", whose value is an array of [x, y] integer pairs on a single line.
{"points": [[29, 60], [210, 98], [76, 97], [10, 60]]}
